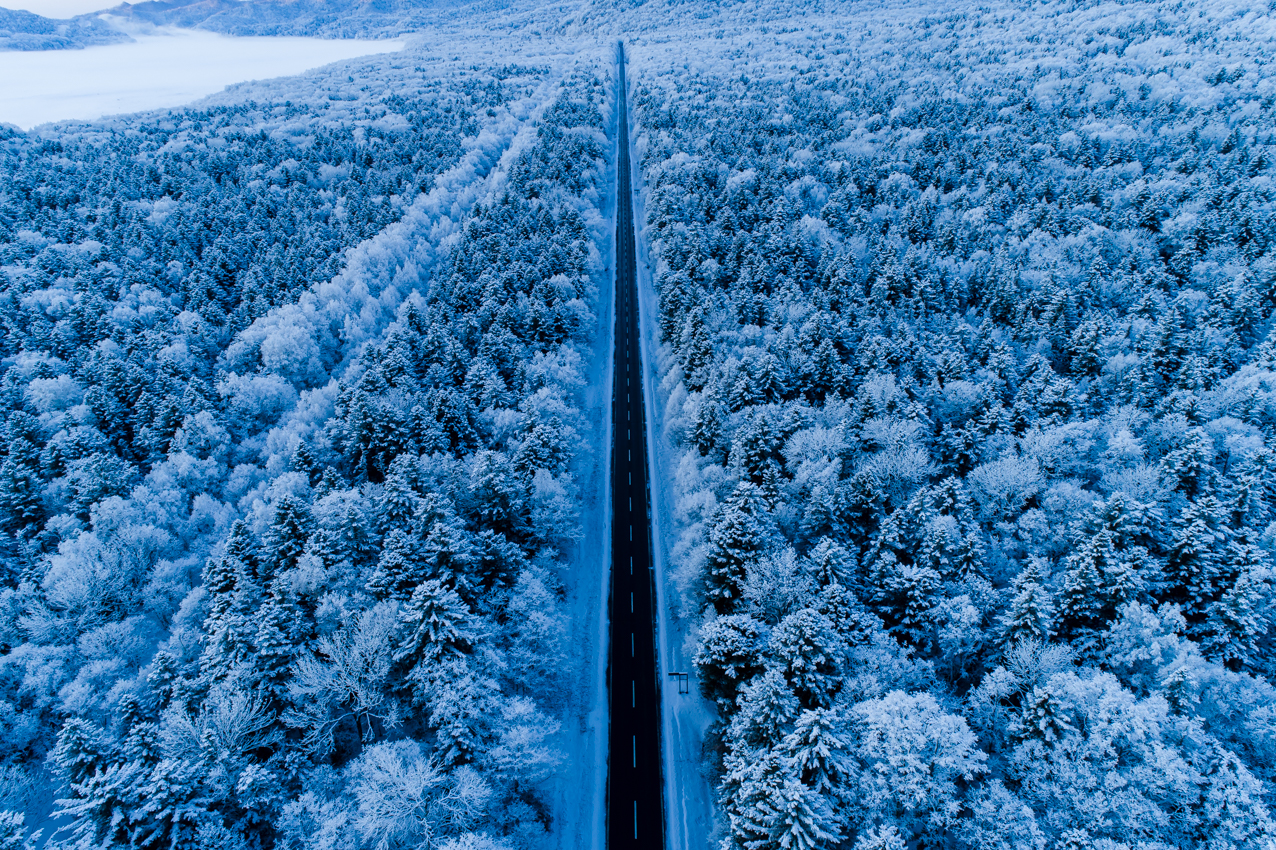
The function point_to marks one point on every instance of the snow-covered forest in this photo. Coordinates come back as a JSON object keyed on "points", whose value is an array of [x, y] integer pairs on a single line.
{"points": [[291, 413], [960, 339], [965, 321]]}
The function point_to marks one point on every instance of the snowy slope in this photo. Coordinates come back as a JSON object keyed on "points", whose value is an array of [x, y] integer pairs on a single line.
{"points": [[23, 30]]}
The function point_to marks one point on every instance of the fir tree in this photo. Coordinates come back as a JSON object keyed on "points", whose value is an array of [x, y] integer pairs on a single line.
{"points": [[817, 750], [1197, 557], [399, 569], [287, 537], [831, 563], [437, 623], [1239, 619], [801, 819], [1030, 615], [737, 537]]}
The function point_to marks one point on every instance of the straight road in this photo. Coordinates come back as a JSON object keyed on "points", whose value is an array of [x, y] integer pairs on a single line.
{"points": [[635, 810]]}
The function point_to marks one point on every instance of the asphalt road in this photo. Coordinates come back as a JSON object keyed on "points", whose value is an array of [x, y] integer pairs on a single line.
{"points": [[635, 813]]}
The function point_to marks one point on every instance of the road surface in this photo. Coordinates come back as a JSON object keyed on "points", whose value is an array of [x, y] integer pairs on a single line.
{"points": [[635, 812]]}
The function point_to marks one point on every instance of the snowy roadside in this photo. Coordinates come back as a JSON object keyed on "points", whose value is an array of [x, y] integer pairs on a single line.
{"points": [[685, 717], [580, 788], [392, 268]]}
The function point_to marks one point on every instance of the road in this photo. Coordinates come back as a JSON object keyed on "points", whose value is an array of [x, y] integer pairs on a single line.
{"points": [[635, 810]]}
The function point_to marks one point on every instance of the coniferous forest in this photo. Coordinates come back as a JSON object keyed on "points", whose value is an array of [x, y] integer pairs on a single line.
{"points": [[962, 404], [967, 358], [281, 527]]}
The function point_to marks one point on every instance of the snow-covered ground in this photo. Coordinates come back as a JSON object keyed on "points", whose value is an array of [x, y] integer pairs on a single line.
{"points": [[153, 72], [580, 788]]}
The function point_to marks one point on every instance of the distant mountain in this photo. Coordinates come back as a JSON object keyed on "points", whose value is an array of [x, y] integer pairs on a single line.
{"points": [[324, 18], [329, 18], [27, 31]]}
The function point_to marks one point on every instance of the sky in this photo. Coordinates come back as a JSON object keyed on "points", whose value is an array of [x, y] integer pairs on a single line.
{"points": [[54, 85], [60, 8]]}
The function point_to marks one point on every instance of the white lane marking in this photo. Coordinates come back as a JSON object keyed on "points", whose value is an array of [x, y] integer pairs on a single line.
{"points": [[631, 641], [635, 820], [633, 694], [631, 564], [631, 533], [631, 610], [635, 737], [631, 503]]}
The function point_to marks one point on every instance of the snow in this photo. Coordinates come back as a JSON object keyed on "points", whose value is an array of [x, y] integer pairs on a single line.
{"points": [[580, 817], [383, 271], [58, 85], [684, 718]]}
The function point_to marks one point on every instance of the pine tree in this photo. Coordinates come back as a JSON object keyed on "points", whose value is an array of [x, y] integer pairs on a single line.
{"points": [[462, 703], [13, 830], [220, 572], [99, 782], [728, 655], [398, 503], [1191, 467], [399, 569], [1196, 559], [915, 590], [1030, 615], [287, 537], [21, 486], [831, 563], [940, 540], [303, 461], [1169, 346], [437, 623], [448, 552], [801, 819], [736, 539], [1042, 717], [807, 649], [497, 495], [275, 651], [347, 542], [970, 555], [817, 750], [231, 625], [1247, 494], [1179, 690], [767, 710], [498, 560], [1239, 619]]}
